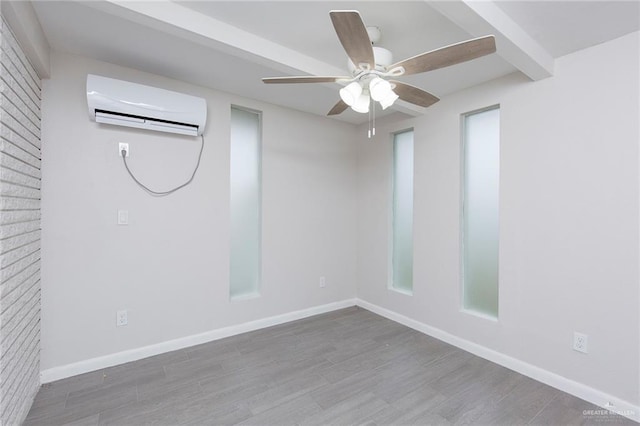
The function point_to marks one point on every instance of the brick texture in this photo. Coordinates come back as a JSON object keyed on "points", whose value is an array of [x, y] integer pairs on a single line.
{"points": [[19, 230]]}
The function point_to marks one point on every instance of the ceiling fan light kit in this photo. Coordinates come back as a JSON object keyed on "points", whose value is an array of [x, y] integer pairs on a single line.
{"points": [[358, 94], [370, 79]]}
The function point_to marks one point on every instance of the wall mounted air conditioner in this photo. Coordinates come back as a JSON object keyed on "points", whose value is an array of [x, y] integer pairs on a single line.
{"points": [[128, 104]]}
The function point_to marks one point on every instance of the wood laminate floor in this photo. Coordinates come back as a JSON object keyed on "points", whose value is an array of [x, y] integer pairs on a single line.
{"points": [[345, 367]]}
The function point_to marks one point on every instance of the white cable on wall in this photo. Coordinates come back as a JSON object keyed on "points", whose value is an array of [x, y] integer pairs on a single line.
{"points": [[171, 191]]}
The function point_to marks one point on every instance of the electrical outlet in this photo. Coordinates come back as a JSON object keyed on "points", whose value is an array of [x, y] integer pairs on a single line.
{"points": [[323, 282], [121, 318], [580, 342], [123, 146]]}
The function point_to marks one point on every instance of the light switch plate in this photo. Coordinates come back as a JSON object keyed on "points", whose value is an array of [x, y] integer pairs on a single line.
{"points": [[123, 217]]}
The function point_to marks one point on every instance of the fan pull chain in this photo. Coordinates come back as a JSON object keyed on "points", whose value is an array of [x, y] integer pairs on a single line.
{"points": [[369, 121], [372, 119], [373, 107]]}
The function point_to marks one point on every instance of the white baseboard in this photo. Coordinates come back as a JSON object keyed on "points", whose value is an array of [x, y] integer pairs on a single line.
{"points": [[98, 363], [582, 391]]}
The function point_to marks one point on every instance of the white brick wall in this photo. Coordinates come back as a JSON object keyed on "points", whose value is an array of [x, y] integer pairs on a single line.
{"points": [[19, 230]]}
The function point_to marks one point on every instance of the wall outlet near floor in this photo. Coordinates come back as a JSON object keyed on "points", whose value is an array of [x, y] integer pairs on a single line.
{"points": [[580, 342], [323, 282], [121, 318]]}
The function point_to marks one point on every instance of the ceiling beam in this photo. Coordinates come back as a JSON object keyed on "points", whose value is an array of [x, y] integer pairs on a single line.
{"points": [[173, 18], [408, 108], [25, 25], [513, 44]]}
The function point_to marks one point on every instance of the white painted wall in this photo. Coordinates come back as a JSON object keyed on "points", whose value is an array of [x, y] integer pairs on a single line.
{"points": [[568, 218], [170, 267]]}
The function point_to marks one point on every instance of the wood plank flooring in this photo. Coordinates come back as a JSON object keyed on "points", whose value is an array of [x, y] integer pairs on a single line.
{"points": [[346, 367]]}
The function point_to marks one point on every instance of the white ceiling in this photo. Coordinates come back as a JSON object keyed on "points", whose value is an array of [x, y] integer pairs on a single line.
{"points": [[230, 45], [563, 27]]}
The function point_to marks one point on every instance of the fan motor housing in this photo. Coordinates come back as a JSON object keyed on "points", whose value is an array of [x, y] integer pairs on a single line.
{"points": [[382, 57]]}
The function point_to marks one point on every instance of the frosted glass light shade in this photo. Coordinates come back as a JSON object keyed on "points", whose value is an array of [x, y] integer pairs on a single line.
{"points": [[379, 89], [388, 100], [362, 104], [350, 93]]}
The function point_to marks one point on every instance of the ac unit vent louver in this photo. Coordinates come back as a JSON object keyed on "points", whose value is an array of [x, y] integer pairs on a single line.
{"points": [[129, 104]]}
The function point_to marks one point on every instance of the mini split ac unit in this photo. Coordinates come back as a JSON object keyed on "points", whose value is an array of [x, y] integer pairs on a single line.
{"points": [[128, 104]]}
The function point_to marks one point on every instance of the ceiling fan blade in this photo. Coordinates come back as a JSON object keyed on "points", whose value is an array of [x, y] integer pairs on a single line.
{"points": [[302, 79], [353, 36], [338, 108], [414, 95], [449, 55]]}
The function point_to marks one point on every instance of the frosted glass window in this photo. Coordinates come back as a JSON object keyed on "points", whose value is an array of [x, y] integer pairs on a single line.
{"points": [[245, 203], [402, 256], [481, 141]]}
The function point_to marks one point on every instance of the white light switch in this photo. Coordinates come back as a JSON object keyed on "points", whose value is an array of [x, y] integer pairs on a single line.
{"points": [[123, 217]]}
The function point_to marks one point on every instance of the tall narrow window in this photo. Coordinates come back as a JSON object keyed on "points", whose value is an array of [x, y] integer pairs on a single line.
{"points": [[402, 253], [245, 204], [481, 147]]}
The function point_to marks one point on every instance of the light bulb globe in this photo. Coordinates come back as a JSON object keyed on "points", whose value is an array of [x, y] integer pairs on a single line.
{"points": [[362, 104], [388, 100], [350, 93], [379, 89]]}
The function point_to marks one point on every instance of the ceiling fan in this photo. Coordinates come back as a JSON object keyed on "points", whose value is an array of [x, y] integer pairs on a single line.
{"points": [[372, 70]]}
